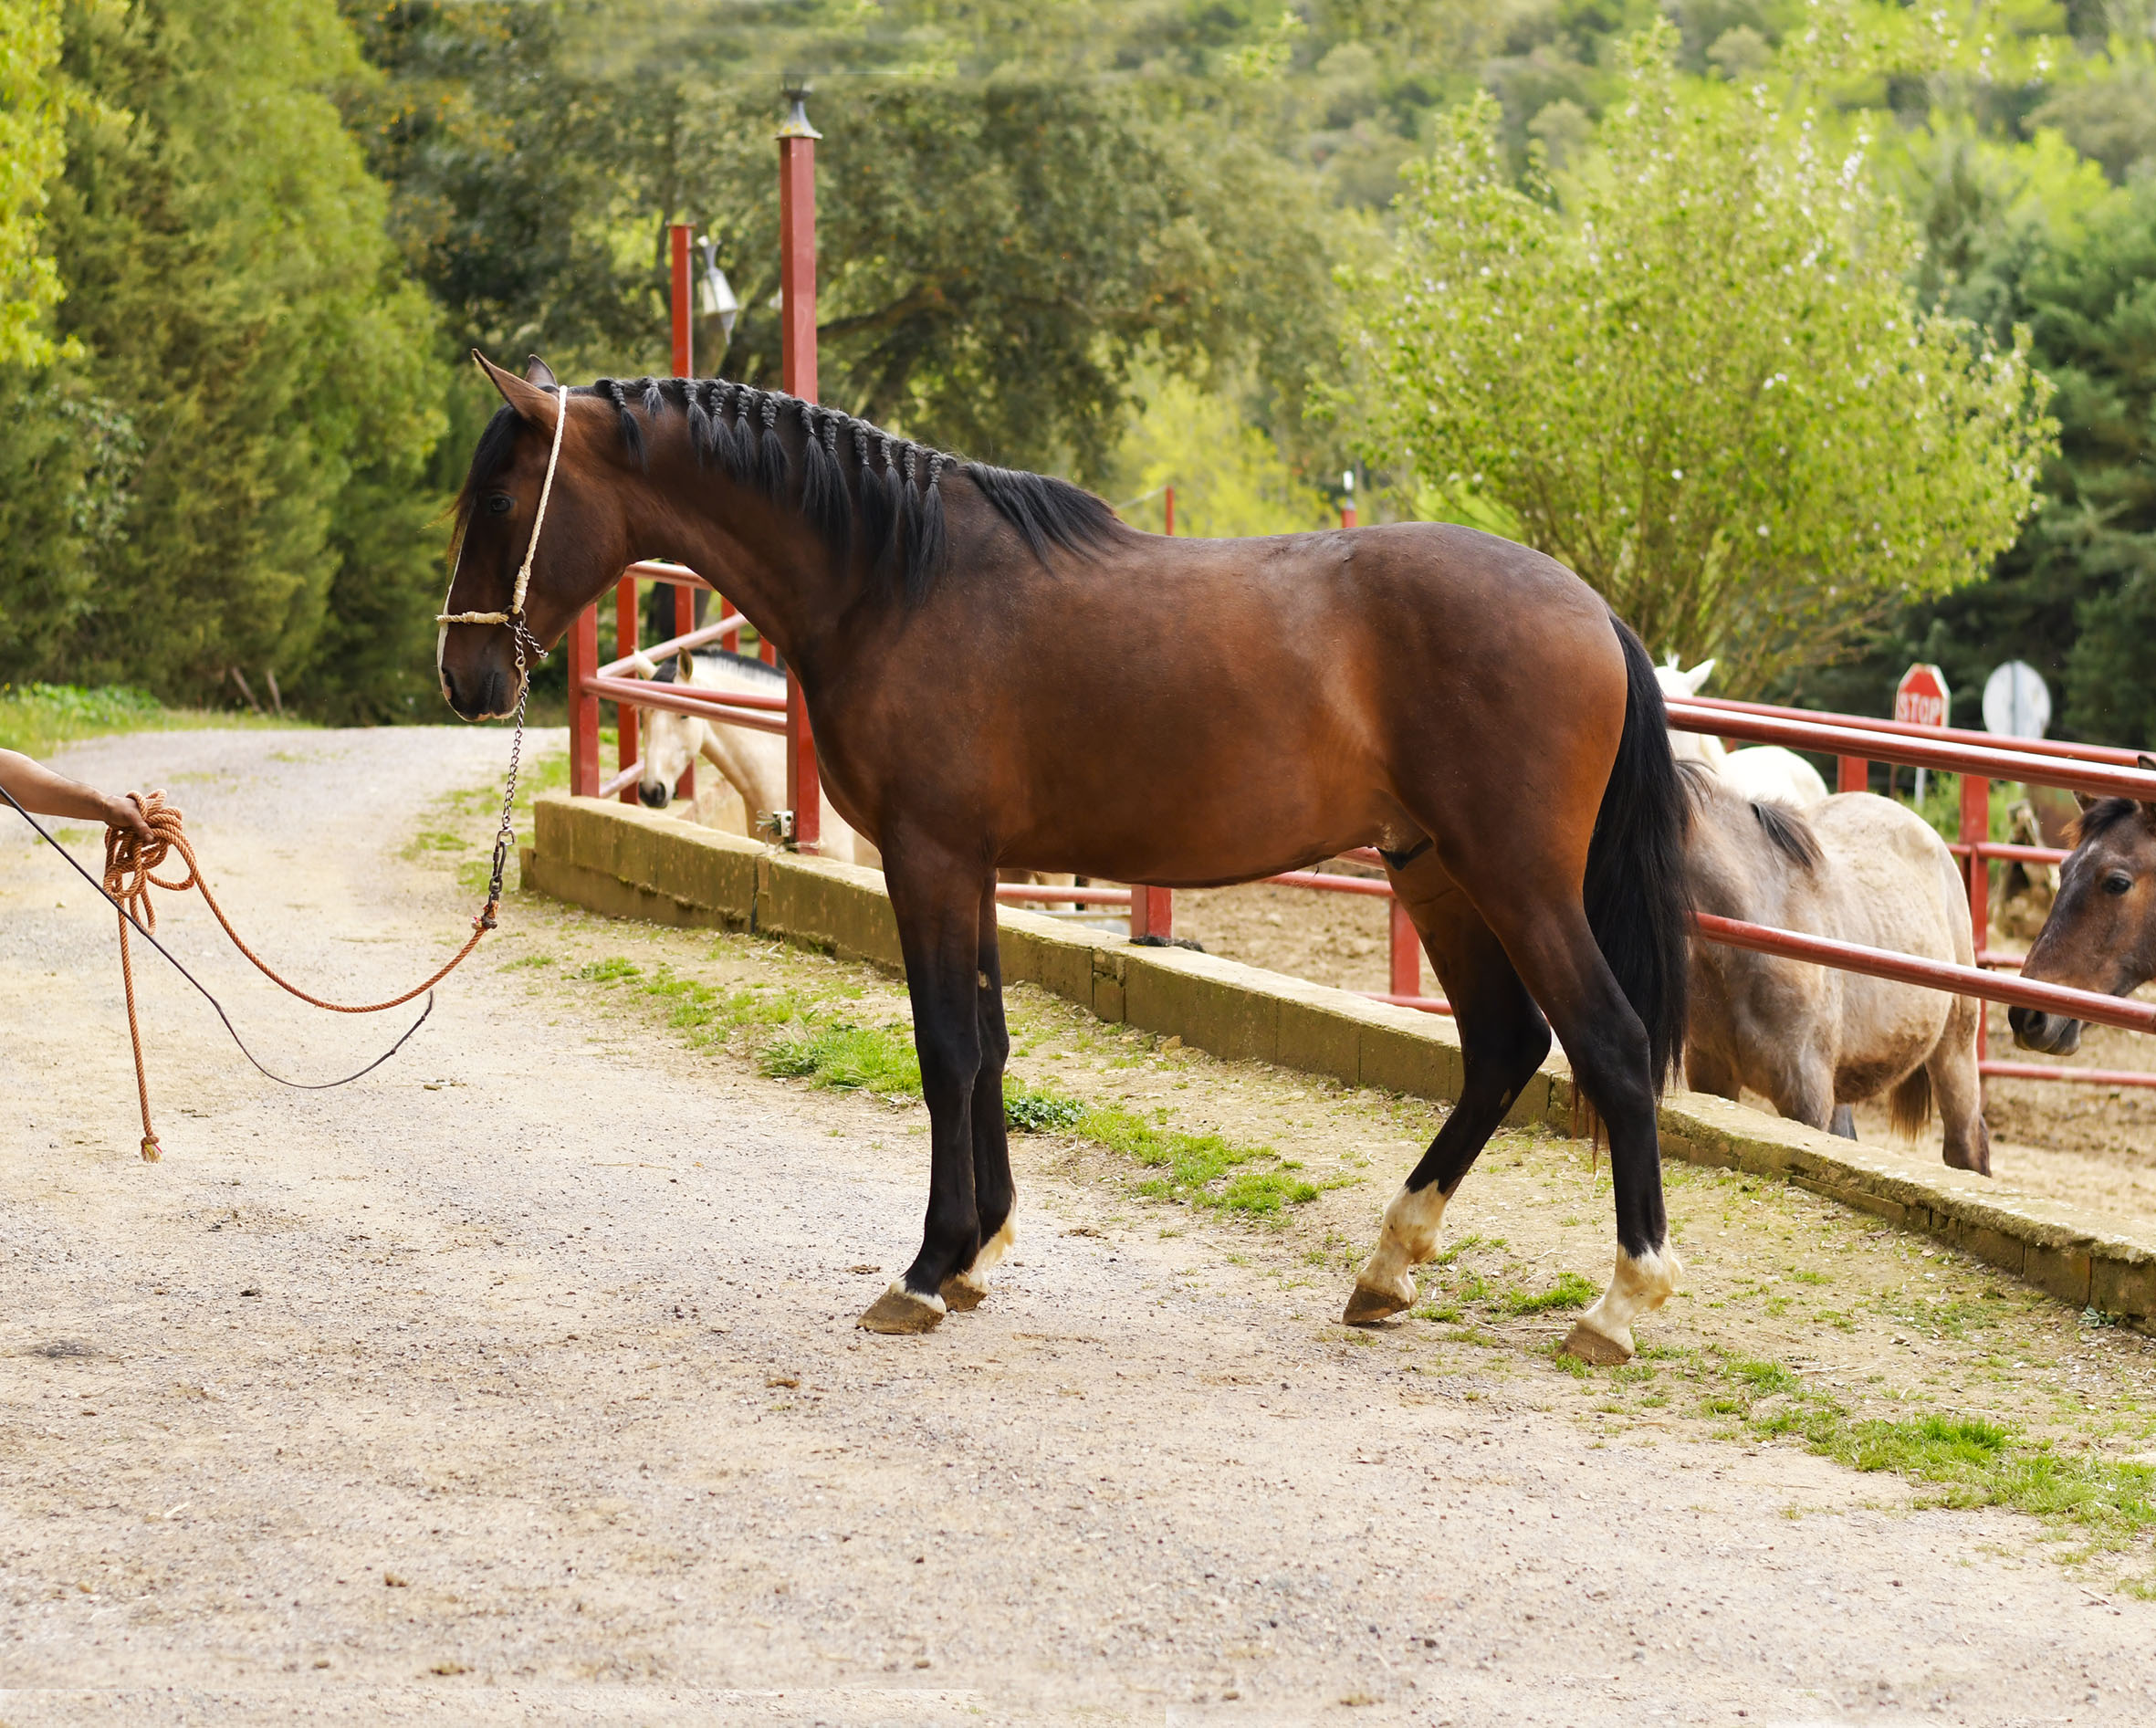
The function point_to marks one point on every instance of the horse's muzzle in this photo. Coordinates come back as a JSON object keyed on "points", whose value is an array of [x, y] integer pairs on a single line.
{"points": [[2053, 1034], [654, 792], [489, 695]]}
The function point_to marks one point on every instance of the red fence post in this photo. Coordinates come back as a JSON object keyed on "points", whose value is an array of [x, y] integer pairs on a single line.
{"points": [[679, 235], [1853, 774], [1407, 951], [583, 709], [1152, 912], [1168, 511], [1976, 828], [797, 317], [624, 643]]}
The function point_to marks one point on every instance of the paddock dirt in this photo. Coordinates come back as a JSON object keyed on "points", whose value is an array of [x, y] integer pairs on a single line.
{"points": [[518, 1381]]}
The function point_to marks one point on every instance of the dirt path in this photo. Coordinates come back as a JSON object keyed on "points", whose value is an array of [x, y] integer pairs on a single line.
{"points": [[518, 1382]]}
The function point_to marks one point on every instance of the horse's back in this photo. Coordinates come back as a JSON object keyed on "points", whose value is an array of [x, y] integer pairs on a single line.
{"points": [[1901, 886]]}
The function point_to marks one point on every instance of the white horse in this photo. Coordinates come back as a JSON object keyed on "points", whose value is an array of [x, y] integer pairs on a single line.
{"points": [[1762, 771], [1860, 868], [752, 762]]}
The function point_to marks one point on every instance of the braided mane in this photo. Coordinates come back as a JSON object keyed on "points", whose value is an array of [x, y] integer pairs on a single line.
{"points": [[859, 487]]}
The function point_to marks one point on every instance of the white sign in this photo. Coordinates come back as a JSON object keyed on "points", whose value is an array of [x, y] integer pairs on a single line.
{"points": [[2016, 702]]}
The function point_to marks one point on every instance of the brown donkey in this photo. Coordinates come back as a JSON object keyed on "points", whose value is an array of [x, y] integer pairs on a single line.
{"points": [[1000, 674], [2101, 934]]}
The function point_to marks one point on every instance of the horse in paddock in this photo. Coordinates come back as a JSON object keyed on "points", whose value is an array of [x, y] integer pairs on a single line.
{"points": [[1003, 673], [1757, 771], [2100, 934], [752, 762], [1813, 1040]]}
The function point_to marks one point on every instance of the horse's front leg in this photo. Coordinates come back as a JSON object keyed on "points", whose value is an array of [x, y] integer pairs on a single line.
{"points": [[994, 1193], [937, 897]]}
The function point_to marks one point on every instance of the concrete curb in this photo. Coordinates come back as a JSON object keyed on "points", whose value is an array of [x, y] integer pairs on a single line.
{"points": [[626, 861]]}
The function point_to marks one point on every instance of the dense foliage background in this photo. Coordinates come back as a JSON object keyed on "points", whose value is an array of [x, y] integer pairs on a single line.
{"points": [[244, 250]]}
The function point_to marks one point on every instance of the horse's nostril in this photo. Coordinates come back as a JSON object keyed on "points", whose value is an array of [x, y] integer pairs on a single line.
{"points": [[653, 794]]}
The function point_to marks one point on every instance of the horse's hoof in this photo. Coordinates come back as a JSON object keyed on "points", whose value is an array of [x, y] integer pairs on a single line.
{"points": [[961, 1293], [1597, 1350], [1367, 1305], [898, 1312]]}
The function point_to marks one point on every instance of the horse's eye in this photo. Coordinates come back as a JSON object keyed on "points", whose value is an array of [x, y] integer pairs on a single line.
{"points": [[2117, 881], [499, 504]]}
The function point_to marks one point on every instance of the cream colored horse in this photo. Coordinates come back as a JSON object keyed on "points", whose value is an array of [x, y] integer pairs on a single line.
{"points": [[1813, 1040], [1762, 770], [752, 762]]}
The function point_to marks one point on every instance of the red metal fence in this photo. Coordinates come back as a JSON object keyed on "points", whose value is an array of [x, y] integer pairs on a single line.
{"points": [[1854, 740]]}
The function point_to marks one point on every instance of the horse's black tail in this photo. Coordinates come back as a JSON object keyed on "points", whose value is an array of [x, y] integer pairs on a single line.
{"points": [[1639, 904]]}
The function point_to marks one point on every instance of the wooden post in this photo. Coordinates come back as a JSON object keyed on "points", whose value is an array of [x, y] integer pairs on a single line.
{"points": [[1976, 828], [679, 235], [1406, 950], [1853, 774], [1152, 912], [797, 322], [625, 717], [584, 708]]}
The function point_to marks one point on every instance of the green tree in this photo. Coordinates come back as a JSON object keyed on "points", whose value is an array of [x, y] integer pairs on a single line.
{"points": [[1004, 234], [1706, 387], [239, 307], [32, 146], [2075, 594]]}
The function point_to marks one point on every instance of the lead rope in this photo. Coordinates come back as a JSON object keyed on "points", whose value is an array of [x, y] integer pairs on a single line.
{"points": [[131, 864]]}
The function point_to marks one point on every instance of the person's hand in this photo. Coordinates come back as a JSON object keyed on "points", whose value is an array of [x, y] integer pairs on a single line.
{"points": [[125, 813]]}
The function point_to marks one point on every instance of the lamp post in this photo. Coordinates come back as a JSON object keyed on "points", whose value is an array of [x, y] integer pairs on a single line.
{"points": [[797, 321]]}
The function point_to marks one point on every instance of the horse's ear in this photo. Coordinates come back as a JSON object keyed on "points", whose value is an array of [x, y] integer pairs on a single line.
{"points": [[685, 666], [537, 371], [1696, 679], [2087, 802], [533, 401]]}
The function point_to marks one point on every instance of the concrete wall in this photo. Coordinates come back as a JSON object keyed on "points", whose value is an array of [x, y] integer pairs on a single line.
{"points": [[626, 861]]}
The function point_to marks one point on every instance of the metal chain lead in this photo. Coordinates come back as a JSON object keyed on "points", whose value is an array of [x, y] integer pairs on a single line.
{"points": [[507, 837]]}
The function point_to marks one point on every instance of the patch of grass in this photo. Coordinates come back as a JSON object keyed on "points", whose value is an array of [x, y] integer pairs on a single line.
{"points": [[843, 1057], [527, 960], [1200, 1169], [609, 971], [1029, 1111], [1972, 1460], [34, 718], [1570, 1291]]}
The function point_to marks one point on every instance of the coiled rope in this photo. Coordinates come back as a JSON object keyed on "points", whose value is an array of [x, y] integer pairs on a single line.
{"points": [[131, 872]]}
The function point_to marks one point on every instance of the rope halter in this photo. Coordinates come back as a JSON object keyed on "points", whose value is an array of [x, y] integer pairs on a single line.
{"points": [[515, 615]]}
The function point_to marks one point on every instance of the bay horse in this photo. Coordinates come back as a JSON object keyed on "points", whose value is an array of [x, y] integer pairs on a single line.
{"points": [[1860, 868], [1000, 673], [2100, 934]]}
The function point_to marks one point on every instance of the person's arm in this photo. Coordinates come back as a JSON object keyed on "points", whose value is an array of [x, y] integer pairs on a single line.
{"points": [[36, 788]]}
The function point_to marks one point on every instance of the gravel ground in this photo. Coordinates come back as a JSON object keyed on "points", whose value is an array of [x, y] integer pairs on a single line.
{"points": [[518, 1382]]}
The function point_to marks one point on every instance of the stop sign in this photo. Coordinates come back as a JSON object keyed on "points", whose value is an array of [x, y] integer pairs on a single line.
{"points": [[1920, 698]]}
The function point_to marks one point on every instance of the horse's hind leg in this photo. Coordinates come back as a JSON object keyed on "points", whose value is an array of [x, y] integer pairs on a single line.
{"points": [[1537, 914], [937, 896], [1502, 1038], [994, 1193]]}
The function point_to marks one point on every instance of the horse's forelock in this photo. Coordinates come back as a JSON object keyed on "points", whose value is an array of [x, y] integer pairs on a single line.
{"points": [[2104, 815]]}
